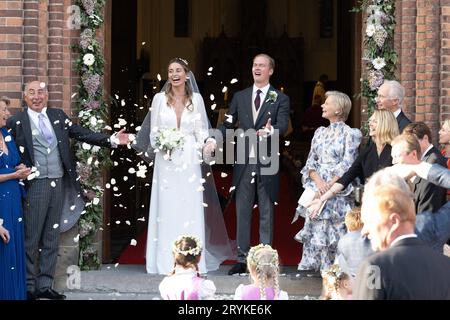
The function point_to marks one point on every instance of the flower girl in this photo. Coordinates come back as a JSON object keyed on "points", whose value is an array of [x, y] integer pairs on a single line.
{"points": [[184, 282], [263, 265]]}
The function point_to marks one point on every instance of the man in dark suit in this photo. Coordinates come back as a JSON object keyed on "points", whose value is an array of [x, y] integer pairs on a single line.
{"points": [[390, 96], [427, 196], [405, 268], [263, 116], [432, 227], [43, 137]]}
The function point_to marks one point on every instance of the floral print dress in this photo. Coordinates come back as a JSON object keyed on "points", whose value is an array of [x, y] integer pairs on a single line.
{"points": [[333, 151]]}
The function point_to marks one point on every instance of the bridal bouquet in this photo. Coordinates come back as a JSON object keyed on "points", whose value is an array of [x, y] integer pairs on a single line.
{"points": [[169, 139]]}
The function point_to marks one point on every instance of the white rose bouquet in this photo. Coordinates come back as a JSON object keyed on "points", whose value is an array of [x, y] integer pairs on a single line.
{"points": [[169, 139]]}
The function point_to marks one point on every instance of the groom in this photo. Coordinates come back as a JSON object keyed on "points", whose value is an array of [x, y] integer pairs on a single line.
{"points": [[262, 112]]}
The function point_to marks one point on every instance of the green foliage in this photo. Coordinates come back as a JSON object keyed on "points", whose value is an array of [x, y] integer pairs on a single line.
{"points": [[92, 113], [379, 55]]}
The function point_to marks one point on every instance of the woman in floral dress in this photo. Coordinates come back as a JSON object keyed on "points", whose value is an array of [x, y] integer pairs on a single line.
{"points": [[333, 150]]}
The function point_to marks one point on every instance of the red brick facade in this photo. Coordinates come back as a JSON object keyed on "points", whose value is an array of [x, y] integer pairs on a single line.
{"points": [[35, 43]]}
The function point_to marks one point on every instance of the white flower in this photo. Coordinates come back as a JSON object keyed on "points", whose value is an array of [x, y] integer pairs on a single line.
{"points": [[272, 96], [89, 59], [169, 139], [378, 63], [370, 30]]}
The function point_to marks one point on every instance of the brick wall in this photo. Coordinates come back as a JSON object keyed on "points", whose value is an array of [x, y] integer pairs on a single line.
{"points": [[35, 44], [11, 48], [422, 41]]}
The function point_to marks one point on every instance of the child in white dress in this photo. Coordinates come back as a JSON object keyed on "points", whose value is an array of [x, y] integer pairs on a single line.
{"points": [[263, 265], [184, 282], [336, 284]]}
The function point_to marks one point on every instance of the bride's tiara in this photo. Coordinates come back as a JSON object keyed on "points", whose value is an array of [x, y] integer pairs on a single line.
{"points": [[182, 60]]}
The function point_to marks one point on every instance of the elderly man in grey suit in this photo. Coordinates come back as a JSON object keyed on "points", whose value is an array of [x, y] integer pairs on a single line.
{"points": [[262, 115], [43, 136], [390, 96], [405, 268]]}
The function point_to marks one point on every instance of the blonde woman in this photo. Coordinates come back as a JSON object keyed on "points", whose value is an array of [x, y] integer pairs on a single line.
{"points": [[333, 150], [444, 140], [263, 265], [383, 128]]}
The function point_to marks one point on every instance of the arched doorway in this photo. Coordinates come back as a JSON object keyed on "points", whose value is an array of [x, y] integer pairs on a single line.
{"points": [[310, 37]]}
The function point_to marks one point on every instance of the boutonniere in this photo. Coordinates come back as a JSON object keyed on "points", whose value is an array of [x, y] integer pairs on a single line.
{"points": [[272, 96]]}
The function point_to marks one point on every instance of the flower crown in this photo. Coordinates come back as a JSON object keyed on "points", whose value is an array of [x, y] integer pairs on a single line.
{"points": [[252, 256], [195, 251]]}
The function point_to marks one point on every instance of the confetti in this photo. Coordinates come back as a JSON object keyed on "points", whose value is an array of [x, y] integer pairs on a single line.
{"points": [[7, 138], [210, 69], [55, 226], [158, 77], [53, 184], [133, 242], [128, 222], [76, 238], [287, 143], [213, 107], [225, 89], [72, 208], [223, 175], [211, 97], [233, 81]]}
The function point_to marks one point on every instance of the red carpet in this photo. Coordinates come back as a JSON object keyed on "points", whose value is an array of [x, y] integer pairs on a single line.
{"points": [[284, 232]]}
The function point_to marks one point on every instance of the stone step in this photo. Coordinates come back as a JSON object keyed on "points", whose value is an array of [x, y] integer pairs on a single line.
{"points": [[127, 281]]}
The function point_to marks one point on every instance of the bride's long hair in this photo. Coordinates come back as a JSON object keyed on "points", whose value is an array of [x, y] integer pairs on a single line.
{"points": [[188, 91]]}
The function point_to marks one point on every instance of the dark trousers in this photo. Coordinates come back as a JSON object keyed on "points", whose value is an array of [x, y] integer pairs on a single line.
{"points": [[42, 213], [248, 187]]}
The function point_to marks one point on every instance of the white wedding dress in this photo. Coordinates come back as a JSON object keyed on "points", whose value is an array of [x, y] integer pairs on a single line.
{"points": [[176, 204]]}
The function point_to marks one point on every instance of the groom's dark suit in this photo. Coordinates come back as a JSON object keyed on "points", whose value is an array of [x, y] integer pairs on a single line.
{"points": [[49, 197], [248, 177]]}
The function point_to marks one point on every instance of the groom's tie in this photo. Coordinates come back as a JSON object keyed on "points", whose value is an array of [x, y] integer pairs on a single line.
{"points": [[45, 130], [258, 99]]}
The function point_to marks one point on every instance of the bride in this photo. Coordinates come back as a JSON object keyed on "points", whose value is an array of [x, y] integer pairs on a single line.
{"points": [[183, 198]]}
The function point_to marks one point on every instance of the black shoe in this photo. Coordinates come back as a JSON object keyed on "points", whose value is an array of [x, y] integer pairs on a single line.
{"points": [[238, 268], [31, 295], [51, 294]]}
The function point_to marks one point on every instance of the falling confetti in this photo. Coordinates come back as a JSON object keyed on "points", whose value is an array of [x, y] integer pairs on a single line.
{"points": [[223, 175], [133, 242], [233, 81], [213, 107], [287, 143], [76, 238], [225, 89], [7, 139], [53, 184], [211, 97], [210, 69], [158, 77], [55, 226]]}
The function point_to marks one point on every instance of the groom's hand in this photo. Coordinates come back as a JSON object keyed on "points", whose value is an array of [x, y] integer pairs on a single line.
{"points": [[266, 130], [209, 148], [122, 138]]}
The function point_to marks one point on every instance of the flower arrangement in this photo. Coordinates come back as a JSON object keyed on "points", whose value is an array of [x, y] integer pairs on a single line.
{"points": [[379, 55], [194, 251], [272, 96], [92, 113], [167, 140]]}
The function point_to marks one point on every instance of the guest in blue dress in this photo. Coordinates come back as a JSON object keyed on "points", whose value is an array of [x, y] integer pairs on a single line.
{"points": [[333, 151], [12, 251]]}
